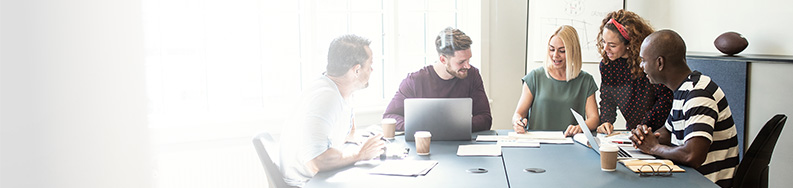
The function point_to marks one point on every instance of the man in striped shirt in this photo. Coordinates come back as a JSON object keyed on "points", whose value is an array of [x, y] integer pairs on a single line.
{"points": [[699, 131]]}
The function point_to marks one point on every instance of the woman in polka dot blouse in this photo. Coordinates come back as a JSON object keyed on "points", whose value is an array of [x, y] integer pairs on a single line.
{"points": [[623, 83]]}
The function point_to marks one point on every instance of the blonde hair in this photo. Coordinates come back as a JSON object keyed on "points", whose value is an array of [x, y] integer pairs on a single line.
{"points": [[572, 47]]}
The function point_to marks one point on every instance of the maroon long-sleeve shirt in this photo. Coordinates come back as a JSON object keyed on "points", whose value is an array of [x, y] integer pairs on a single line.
{"points": [[426, 83]]}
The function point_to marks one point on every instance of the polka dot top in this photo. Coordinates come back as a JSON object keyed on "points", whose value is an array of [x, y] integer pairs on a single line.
{"points": [[639, 101]]}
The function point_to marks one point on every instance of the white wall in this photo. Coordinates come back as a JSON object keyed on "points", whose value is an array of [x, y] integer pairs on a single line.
{"points": [[507, 50], [73, 110]]}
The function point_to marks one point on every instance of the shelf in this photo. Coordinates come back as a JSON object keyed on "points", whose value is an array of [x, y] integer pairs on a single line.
{"points": [[740, 57]]}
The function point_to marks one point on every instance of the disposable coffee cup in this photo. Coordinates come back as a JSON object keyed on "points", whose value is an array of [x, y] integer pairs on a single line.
{"points": [[389, 124], [608, 157], [423, 139]]}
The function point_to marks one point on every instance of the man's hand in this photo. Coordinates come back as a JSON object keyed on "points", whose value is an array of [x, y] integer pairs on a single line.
{"points": [[606, 128], [644, 139], [572, 130], [372, 148]]}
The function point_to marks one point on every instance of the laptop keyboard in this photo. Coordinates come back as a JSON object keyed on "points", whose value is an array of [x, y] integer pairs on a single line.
{"points": [[622, 153]]}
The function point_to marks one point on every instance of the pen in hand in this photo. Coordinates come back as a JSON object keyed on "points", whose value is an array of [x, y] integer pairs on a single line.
{"points": [[381, 138]]}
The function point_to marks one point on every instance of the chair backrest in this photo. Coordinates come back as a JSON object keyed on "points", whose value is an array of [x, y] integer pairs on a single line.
{"points": [[753, 169], [265, 147]]}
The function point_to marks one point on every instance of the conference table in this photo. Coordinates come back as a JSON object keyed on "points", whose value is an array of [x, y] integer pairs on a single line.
{"points": [[565, 165]]}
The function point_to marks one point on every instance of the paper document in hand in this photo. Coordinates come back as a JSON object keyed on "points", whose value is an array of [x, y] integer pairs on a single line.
{"points": [[479, 150], [539, 135], [404, 167], [518, 143]]}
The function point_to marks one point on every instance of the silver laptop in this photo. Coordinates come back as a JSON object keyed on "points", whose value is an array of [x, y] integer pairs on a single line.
{"points": [[444, 118], [625, 152]]}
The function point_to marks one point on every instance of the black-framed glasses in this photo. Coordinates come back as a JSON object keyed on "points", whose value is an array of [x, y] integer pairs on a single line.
{"points": [[648, 170]]}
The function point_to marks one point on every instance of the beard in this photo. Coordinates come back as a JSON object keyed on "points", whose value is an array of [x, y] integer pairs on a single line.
{"points": [[460, 73], [365, 80]]}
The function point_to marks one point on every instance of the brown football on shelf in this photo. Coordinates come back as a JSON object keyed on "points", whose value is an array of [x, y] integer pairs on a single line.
{"points": [[730, 43]]}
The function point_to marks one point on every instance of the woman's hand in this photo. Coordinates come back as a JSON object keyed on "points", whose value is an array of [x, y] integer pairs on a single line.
{"points": [[572, 130], [519, 125], [606, 128]]}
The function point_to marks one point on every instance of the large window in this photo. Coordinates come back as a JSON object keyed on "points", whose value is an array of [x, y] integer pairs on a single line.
{"points": [[219, 71], [217, 68]]}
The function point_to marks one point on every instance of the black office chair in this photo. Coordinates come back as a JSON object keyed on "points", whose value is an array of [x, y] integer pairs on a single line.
{"points": [[753, 170], [262, 142]]}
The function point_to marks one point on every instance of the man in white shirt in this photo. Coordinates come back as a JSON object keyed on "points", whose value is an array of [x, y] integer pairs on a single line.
{"points": [[314, 137]]}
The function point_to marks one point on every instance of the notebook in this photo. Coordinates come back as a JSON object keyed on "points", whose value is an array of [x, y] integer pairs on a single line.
{"points": [[444, 118], [625, 152]]}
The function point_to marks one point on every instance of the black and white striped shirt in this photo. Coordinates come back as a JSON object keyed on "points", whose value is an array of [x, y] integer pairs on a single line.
{"points": [[699, 108]]}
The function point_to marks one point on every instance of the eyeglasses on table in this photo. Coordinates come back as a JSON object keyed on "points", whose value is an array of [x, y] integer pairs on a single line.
{"points": [[648, 170]]}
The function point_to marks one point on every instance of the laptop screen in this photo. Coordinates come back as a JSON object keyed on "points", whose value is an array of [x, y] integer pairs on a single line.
{"points": [[444, 118], [589, 137]]}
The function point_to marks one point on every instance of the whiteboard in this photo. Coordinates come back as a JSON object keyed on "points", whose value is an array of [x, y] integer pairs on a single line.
{"points": [[545, 16]]}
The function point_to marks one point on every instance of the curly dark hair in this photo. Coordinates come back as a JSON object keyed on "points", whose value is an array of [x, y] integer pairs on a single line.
{"points": [[637, 29]]}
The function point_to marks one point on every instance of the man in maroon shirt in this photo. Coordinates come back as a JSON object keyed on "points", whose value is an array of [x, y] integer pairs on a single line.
{"points": [[450, 77]]}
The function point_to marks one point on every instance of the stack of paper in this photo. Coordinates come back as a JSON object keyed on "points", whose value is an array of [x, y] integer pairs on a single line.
{"points": [[490, 138], [539, 135], [479, 150], [545, 137], [404, 167]]}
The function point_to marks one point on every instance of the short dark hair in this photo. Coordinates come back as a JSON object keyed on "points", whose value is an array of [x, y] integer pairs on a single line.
{"points": [[345, 52], [451, 40]]}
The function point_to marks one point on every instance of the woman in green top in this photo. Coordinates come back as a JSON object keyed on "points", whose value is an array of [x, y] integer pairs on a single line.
{"points": [[551, 91]]}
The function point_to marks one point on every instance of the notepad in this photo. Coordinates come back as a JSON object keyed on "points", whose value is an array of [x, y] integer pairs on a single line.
{"points": [[479, 150], [404, 167], [635, 164]]}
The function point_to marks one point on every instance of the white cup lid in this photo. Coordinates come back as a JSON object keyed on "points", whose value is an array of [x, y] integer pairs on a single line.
{"points": [[609, 148], [422, 134], [388, 121]]}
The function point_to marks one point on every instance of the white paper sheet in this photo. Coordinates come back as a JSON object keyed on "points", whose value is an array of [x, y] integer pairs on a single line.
{"points": [[479, 150]]}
